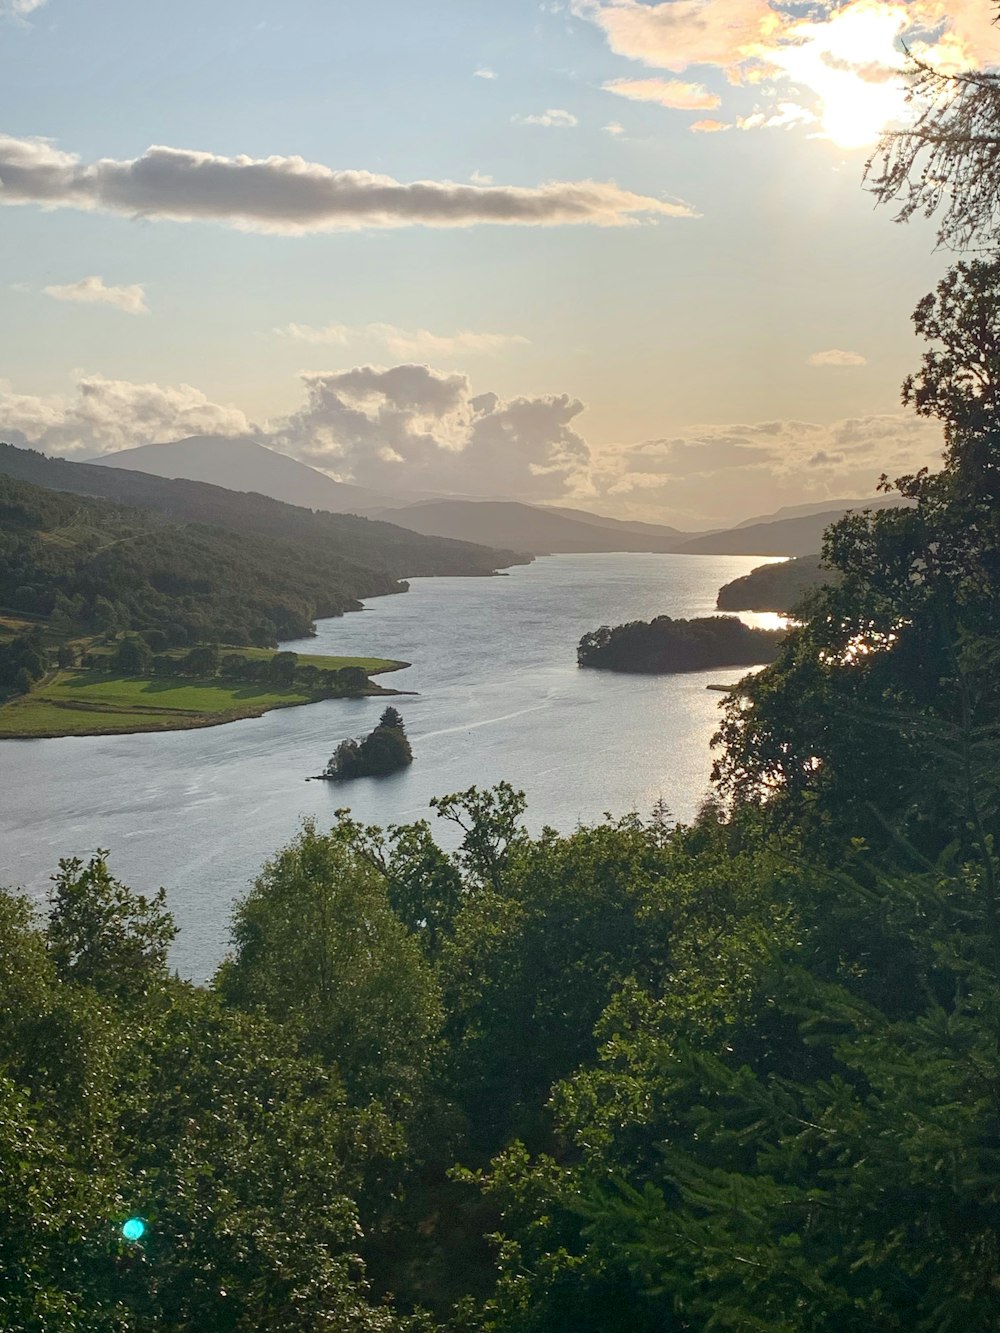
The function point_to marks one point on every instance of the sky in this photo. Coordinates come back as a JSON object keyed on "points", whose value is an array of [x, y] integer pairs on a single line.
{"points": [[607, 253]]}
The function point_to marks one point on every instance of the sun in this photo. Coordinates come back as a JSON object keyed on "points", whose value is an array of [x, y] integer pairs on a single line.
{"points": [[853, 64]]}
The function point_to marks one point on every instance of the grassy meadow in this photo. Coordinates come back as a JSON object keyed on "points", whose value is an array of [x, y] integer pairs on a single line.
{"points": [[94, 703]]}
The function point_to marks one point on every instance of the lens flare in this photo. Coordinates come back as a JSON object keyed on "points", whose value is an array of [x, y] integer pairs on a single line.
{"points": [[134, 1229]]}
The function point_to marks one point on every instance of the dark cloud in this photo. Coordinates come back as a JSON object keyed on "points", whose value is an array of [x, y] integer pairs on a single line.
{"points": [[292, 196]]}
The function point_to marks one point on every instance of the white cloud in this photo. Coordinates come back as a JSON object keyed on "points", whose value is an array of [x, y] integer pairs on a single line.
{"points": [[485, 73], [720, 474], [481, 178], [676, 34], [709, 126], [835, 356], [19, 8], [614, 128], [410, 426], [673, 93], [406, 342], [553, 118], [783, 117], [92, 290], [290, 196], [104, 415]]}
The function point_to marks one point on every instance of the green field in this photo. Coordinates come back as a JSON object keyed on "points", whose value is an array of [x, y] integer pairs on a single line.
{"points": [[92, 703], [372, 665]]}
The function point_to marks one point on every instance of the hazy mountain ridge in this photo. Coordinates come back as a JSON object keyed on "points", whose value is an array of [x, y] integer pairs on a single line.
{"points": [[379, 546], [245, 465], [525, 527]]}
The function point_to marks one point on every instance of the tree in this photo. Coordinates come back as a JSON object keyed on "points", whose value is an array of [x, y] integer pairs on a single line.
{"points": [[949, 156], [896, 653], [103, 935], [318, 947], [66, 656], [353, 680], [281, 670], [132, 657], [202, 660], [392, 718]]}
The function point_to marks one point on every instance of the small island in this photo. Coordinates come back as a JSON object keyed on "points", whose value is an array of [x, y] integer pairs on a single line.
{"points": [[665, 645], [384, 750]]}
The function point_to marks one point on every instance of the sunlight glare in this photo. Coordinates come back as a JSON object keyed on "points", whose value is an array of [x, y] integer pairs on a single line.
{"points": [[852, 63]]}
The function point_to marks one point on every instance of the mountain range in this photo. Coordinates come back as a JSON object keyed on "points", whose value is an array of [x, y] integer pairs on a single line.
{"points": [[245, 465]]}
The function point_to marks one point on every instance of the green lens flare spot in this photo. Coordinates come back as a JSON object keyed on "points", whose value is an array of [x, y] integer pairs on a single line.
{"points": [[134, 1229]]}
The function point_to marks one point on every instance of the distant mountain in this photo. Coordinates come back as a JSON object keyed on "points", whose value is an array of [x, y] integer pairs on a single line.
{"points": [[619, 524], [785, 536], [537, 531], [823, 507], [244, 465], [370, 547]]}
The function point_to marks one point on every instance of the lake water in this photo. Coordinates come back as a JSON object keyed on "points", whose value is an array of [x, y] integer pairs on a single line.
{"points": [[499, 695]]}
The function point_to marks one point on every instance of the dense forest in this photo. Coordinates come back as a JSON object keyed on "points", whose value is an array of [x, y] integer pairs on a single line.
{"points": [[365, 544], [666, 645], [82, 565], [735, 1076], [779, 586]]}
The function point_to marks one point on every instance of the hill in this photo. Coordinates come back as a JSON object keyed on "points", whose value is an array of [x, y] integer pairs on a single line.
{"points": [[79, 566], [824, 507], [373, 548], [787, 536], [618, 524], [507, 523], [778, 587], [244, 465]]}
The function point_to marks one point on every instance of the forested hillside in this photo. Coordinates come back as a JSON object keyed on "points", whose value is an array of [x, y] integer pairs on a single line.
{"points": [[365, 543], [87, 566], [776, 587]]}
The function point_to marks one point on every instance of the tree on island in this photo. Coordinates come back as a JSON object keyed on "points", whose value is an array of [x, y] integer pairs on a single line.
{"points": [[382, 751]]}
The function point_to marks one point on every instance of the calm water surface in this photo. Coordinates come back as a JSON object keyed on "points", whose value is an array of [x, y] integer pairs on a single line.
{"points": [[499, 695]]}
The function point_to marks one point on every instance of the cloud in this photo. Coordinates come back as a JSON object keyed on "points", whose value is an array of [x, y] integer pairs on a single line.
{"points": [[673, 93], [411, 426], [614, 129], [554, 118], [92, 290], [709, 126], [679, 33], [403, 342], [784, 117], [19, 8], [834, 356], [720, 474], [104, 415], [485, 73], [289, 196]]}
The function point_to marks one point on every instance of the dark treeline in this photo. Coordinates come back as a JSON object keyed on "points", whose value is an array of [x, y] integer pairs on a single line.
{"points": [[776, 587], [665, 645]]}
